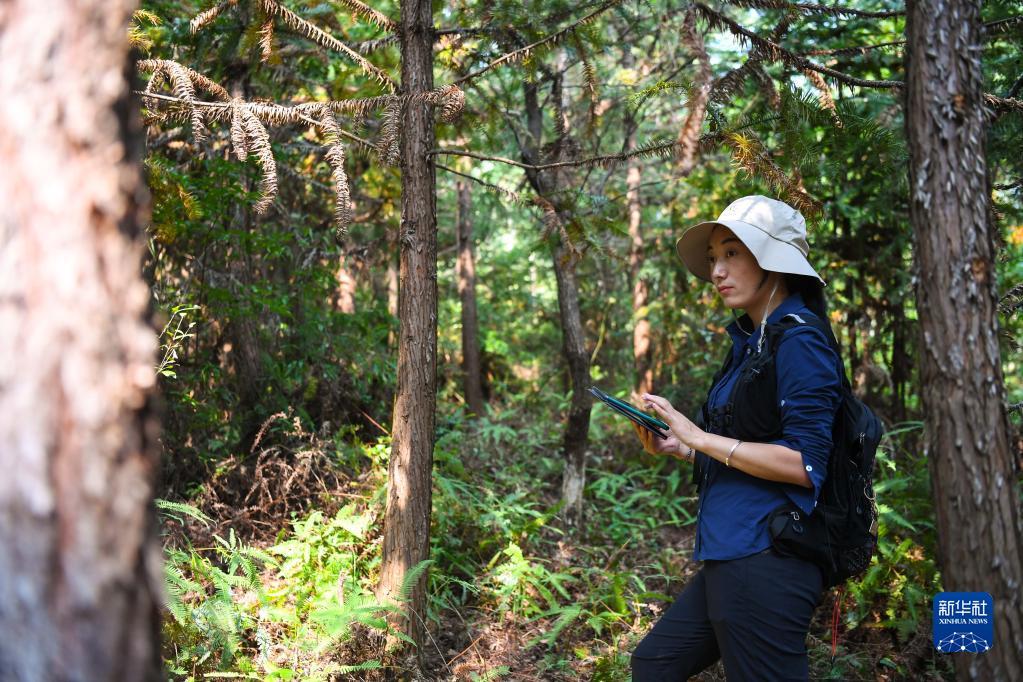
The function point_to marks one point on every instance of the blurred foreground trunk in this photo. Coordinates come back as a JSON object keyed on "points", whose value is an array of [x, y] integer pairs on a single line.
{"points": [[963, 396], [80, 558]]}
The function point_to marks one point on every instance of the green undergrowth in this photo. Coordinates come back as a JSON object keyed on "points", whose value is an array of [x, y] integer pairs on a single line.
{"points": [[511, 587]]}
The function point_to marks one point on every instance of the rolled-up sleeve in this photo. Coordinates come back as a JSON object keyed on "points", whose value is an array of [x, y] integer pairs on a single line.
{"points": [[809, 393]]}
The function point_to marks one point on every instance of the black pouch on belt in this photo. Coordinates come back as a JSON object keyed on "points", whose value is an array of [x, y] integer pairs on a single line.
{"points": [[793, 533]]}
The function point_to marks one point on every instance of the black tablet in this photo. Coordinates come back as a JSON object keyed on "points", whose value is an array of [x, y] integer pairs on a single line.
{"points": [[651, 424]]}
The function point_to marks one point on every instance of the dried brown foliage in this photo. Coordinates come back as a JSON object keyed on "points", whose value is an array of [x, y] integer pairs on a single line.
{"points": [[251, 494], [248, 121], [363, 10], [824, 95], [387, 145], [257, 142], [271, 10], [335, 157], [324, 39], [266, 39], [207, 17], [749, 154]]}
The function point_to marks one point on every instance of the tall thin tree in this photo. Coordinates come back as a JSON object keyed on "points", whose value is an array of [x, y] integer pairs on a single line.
{"points": [[963, 396], [80, 565], [407, 521], [465, 273]]}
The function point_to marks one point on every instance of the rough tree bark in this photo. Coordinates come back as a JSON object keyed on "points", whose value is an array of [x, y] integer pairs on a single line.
{"points": [[963, 395], [407, 520], [546, 185], [80, 564], [465, 273], [574, 348]]}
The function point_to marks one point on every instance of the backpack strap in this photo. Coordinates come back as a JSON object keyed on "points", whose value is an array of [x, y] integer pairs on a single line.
{"points": [[777, 330], [702, 417]]}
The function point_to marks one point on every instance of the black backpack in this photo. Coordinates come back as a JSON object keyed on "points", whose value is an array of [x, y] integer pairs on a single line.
{"points": [[840, 536]]}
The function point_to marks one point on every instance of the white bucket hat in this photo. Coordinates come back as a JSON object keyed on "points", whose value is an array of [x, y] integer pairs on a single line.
{"points": [[772, 230]]}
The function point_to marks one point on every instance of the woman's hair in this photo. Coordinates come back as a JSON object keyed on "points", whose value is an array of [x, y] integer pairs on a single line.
{"points": [[812, 291]]}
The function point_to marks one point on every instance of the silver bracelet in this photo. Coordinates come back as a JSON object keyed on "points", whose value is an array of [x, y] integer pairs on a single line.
{"points": [[737, 444]]}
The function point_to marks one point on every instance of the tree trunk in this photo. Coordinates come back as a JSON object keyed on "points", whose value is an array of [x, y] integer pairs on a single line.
{"points": [[546, 184], [574, 347], [963, 396], [392, 282], [80, 564], [641, 348], [465, 272], [345, 286], [407, 522]]}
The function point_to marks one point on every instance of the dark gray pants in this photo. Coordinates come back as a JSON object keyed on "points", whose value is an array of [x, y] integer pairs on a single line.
{"points": [[753, 613]]}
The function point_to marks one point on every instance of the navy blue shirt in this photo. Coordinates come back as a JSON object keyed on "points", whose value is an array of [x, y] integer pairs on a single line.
{"points": [[734, 507]]}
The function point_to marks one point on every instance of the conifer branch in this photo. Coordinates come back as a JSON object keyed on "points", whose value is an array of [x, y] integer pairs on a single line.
{"points": [[824, 95], [273, 9], [553, 224], [731, 83], [1011, 301], [661, 149], [813, 8], [241, 149], [852, 51], [207, 17], [1001, 25], [449, 98], [749, 155], [774, 51], [266, 39], [514, 196], [324, 39], [335, 157], [388, 148], [363, 10], [589, 77], [1003, 105], [164, 66], [553, 39], [370, 46], [257, 141], [183, 83], [991, 28], [699, 95]]}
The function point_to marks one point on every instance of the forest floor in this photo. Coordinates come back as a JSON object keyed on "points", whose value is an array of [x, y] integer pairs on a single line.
{"points": [[513, 594]]}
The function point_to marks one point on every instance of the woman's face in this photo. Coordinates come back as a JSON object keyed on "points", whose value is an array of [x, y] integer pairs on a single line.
{"points": [[738, 277]]}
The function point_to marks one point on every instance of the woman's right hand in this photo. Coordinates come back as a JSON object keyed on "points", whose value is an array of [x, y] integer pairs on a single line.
{"points": [[658, 446]]}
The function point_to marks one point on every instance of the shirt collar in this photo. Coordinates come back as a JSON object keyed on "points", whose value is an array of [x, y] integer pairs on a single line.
{"points": [[793, 304]]}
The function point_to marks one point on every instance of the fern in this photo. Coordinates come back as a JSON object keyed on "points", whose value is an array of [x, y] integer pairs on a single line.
{"points": [[411, 578], [178, 511], [365, 665]]}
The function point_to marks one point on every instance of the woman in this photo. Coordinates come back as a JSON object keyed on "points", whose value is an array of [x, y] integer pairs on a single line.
{"points": [[749, 605]]}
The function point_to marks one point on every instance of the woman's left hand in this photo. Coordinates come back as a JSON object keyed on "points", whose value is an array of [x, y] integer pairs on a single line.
{"points": [[683, 427]]}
